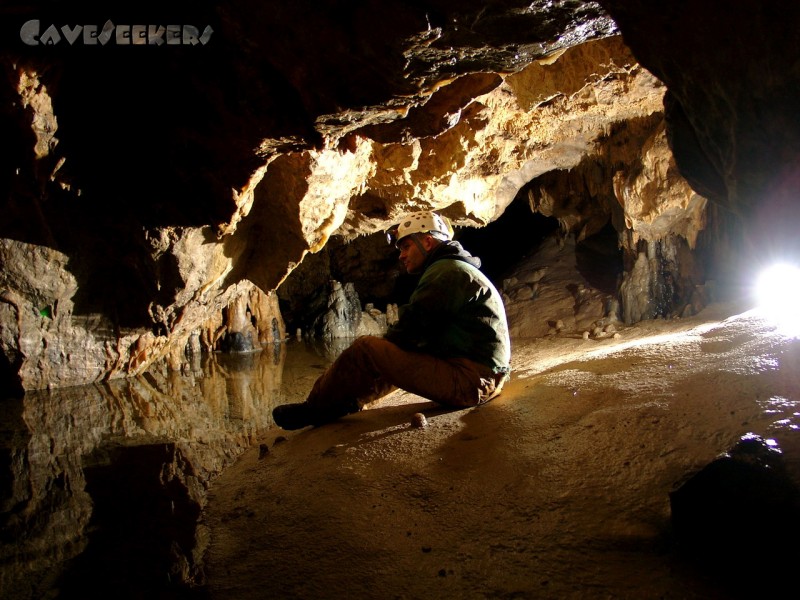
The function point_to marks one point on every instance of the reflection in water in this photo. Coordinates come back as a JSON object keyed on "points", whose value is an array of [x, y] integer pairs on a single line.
{"points": [[102, 485]]}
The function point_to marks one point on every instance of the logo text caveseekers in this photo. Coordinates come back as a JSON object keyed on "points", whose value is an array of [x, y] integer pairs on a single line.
{"points": [[32, 34]]}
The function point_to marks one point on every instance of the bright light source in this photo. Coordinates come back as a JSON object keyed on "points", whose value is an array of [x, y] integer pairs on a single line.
{"points": [[778, 297]]}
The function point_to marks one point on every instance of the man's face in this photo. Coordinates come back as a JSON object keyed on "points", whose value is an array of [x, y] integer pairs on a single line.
{"points": [[410, 254]]}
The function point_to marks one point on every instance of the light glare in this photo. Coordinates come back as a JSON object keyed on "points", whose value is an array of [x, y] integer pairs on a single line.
{"points": [[778, 297]]}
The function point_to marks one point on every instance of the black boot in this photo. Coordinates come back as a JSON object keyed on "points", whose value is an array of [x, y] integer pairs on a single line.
{"points": [[301, 414], [292, 416]]}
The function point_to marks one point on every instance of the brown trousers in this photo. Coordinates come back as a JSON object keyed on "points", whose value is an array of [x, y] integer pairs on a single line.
{"points": [[372, 367]]}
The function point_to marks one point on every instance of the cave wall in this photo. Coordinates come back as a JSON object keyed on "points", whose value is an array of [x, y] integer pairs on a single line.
{"points": [[732, 72], [633, 183], [136, 211]]}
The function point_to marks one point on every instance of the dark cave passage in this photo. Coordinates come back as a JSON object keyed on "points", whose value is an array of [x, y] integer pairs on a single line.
{"points": [[506, 241]]}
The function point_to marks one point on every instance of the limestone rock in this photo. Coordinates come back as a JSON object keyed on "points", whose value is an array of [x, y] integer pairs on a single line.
{"points": [[296, 125], [500, 143], [560, 302], [659, 284], [344, 317], [730, 116], [656, 200], [251, 321], [469, 141]]}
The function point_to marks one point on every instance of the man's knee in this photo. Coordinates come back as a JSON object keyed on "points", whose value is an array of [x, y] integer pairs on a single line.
{"points": [[370, 344], [365, 353], [379, 356]]}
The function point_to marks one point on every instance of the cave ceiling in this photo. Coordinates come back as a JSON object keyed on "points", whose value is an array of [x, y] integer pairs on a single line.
{"points": [[181, 136]]}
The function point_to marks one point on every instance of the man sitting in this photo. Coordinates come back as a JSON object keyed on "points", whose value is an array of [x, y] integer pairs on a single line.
{"points": [[450, 343]]}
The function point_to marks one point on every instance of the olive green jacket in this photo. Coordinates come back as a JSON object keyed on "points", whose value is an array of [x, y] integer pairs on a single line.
{"points": [[455, 312]]}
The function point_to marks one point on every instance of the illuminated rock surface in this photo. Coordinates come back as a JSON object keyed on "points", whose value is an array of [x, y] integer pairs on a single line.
{"points": [[293, 138], [272, 138]]}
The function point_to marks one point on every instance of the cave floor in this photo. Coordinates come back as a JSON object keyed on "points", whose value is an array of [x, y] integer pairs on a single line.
{"points": [[559, 488]]}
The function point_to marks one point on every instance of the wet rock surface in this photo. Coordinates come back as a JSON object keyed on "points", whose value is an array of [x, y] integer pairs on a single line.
{"points": [[103, 485], [314, 120], [559, 488]]}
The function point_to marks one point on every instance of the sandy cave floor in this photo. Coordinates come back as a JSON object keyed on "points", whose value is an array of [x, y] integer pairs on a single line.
{"points": [[556, 489]]}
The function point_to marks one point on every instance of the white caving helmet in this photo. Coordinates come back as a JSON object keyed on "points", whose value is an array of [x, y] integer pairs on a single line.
{"points": [[424, 221]]}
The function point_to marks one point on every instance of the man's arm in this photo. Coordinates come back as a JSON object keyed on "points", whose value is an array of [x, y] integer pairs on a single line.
{"points": [[436, 299]]}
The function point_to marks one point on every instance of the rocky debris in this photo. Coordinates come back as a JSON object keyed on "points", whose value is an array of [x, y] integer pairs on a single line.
{"points": [[601, 329], [562, 301]]}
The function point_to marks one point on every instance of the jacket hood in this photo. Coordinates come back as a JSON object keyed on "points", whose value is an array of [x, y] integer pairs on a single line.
{"points": [[454, 251]]}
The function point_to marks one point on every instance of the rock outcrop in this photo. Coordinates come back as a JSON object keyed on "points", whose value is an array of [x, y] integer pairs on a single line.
{"points": [[344, 316], [731, 74]]}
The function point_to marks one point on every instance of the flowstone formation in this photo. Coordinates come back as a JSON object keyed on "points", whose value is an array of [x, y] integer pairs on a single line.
{"points": [[294, 124]]}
